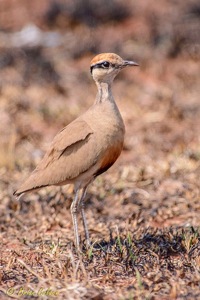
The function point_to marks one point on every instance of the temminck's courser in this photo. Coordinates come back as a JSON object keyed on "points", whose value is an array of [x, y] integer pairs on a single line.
{"points": [[88, 146]]}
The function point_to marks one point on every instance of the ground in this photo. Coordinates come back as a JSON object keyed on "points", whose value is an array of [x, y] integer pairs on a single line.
{"points": [[143, 214]]}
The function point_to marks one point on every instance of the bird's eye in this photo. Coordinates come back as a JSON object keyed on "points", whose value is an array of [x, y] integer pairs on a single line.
{"points": [[105, 64]]}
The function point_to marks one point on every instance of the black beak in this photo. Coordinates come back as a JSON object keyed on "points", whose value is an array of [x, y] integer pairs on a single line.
{"points": [[129, 63]]}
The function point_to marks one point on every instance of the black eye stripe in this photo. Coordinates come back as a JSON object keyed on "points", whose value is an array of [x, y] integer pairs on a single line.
{"points": [[103, 65], [91, 69]]}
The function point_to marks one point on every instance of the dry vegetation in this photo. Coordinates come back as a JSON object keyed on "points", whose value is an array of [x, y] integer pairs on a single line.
{"points": [[143, 214]]}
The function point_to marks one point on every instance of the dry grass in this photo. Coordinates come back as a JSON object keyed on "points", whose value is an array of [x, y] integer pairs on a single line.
{"points": [[131, 258], [143, 214]]}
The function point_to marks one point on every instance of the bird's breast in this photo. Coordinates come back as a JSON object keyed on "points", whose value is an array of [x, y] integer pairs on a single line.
{"points": [[111, 138], [108, 127], [109, 158]]}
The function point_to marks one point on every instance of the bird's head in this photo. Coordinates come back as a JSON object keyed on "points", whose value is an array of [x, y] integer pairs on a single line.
{"points": [[105, 66]]}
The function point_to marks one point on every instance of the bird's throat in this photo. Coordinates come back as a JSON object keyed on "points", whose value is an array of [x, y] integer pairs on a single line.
{"points": [[104, 92]]}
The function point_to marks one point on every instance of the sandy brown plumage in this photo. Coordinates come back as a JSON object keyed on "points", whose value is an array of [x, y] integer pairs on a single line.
{"points": [[86, 147]]}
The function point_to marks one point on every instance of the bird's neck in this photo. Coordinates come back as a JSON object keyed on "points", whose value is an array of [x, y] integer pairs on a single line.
{"points": [[104, 92]]}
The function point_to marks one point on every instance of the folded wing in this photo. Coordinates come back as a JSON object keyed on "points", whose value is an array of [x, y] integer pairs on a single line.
{"points": [[66, 159]]}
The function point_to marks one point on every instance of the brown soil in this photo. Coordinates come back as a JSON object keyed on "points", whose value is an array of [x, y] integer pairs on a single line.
{"points": [[143, 214]]}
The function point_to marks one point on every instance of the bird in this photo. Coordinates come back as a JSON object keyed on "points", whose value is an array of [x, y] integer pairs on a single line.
{"points": [[86, 147]]}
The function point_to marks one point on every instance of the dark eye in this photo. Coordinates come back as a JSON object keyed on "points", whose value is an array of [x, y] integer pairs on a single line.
{"points": [[105, 64]]}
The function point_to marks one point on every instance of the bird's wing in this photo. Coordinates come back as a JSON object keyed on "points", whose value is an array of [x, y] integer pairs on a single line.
{"points": [[67, 139], [72, 152], [71, 134]]}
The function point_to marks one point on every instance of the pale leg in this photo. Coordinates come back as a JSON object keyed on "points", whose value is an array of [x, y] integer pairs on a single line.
{"points": [[74, 211], [82, 206]]}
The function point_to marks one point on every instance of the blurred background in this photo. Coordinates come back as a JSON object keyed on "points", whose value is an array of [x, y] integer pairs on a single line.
{"points": [[45, 52], [150, 197]]}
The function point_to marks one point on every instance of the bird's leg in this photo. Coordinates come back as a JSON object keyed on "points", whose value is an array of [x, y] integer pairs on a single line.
{"points": [[82, 206], [74, 211]]}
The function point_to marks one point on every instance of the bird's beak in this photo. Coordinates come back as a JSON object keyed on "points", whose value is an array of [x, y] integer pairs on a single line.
{"points": [[129, 63]]}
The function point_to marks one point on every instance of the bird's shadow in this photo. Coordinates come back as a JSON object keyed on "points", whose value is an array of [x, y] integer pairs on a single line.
{"points": [[163, 243]]}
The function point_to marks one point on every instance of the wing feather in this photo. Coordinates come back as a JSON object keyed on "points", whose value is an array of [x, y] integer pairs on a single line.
{"points": [[65, 141], [71, 134], [66, 158]]}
